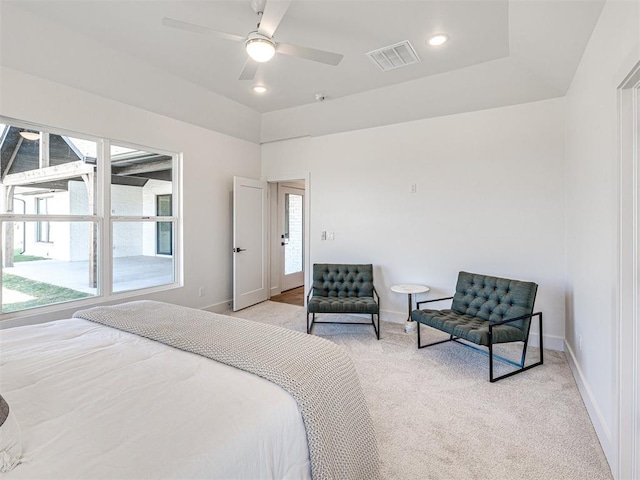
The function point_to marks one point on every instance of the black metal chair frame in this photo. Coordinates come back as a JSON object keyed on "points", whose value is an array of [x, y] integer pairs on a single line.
{"points": [[375, 328], [521, 366]]}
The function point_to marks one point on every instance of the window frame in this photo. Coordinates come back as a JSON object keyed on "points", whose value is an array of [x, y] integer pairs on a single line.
{"points": [[104, 220]]}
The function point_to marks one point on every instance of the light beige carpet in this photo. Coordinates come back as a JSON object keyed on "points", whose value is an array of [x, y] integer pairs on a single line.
{"points": [[437, 416]]}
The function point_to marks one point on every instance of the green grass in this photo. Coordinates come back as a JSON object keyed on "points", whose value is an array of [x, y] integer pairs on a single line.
{"points": [[44, 293], [18, 257]]}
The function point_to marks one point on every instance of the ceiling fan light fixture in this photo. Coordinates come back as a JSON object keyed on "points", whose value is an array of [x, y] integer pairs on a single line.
{"points": [[259, 89], [438, 39], [260, 49]]}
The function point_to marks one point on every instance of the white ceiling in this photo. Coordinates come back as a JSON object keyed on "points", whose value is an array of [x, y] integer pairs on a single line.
{"points": [[542, 41]]}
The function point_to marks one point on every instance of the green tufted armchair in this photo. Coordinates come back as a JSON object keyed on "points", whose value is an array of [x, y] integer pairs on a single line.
{"points": [[343, 288], [486, 310]]}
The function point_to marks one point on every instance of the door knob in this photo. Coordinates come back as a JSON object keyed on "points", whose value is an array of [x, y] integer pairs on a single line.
{"points": [[238, 250]]}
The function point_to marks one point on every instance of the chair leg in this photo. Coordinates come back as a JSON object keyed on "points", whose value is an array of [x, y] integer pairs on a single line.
{"points": [[524, 351], [310, 325], [377, 330], [490, 356], [430, 344]]}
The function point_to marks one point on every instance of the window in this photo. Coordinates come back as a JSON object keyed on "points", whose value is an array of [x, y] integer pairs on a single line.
{"points": [[293, 227], [92, 217], [42, 228], [142, 218], [164, 231]]}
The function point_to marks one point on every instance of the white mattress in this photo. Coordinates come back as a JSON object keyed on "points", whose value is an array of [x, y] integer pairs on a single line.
{"points": [[95, 402]]}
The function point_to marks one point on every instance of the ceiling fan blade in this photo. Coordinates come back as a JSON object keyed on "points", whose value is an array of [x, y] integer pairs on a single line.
{"points": [[274, 10], [191, 27], [321, 56], [249, 70]]}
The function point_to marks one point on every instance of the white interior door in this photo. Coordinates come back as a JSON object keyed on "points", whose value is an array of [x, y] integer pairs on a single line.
{"points": [[291, 227], [250, 257]]}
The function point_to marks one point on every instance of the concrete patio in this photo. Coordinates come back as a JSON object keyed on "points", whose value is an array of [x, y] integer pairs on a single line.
{"points": [[129, 273]]}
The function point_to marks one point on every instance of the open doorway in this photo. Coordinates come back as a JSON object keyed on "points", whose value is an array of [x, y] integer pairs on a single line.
{"points": [[288, 242]]}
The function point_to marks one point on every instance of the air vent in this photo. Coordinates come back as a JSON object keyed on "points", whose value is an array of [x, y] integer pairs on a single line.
{"points": [[394, 56]]}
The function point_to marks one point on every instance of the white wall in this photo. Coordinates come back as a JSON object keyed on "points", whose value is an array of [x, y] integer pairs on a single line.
{"points": [[489, 199], [210, 160], [592, 213]]}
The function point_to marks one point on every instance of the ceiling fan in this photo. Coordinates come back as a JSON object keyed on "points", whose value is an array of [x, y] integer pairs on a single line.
{"points": [[259, 44]]}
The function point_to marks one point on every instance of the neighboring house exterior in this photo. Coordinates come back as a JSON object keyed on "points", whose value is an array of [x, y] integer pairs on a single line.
{"points": [[49, 174]]}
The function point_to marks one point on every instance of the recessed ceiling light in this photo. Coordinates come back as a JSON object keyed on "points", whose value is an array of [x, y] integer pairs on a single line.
{"points": [[438, 39], [259, 89]]}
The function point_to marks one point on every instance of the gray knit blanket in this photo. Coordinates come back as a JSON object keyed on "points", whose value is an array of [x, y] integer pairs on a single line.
{"points": [[318, 374]]}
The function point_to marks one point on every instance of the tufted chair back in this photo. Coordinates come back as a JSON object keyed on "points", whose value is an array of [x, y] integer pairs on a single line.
{"points": [[494, 299], [342, 280]]}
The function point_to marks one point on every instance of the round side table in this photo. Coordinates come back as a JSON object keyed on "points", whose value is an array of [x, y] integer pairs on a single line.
{"points": [[409, 289]]}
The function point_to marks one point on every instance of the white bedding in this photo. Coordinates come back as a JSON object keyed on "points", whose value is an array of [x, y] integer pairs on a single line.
{"points": [[96, 402]]}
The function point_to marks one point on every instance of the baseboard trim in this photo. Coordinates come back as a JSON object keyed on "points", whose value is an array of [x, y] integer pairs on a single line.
{"points": [[597, 419], [219, 307], [393, 317], [550, 342]]}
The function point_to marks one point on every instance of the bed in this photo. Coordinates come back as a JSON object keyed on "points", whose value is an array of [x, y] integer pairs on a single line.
{"points": [[97, 401]]}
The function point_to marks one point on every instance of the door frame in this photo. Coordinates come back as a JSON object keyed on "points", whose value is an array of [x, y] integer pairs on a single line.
{"points": [[274, 237], [628, 284]]}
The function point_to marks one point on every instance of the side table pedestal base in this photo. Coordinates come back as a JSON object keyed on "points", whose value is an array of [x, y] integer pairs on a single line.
{"points": [[409, 290], [409, 327]]}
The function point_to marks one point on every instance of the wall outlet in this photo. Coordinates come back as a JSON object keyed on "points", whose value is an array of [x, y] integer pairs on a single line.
{"points": [[201, 292], [413, 188], [323, 235]]}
